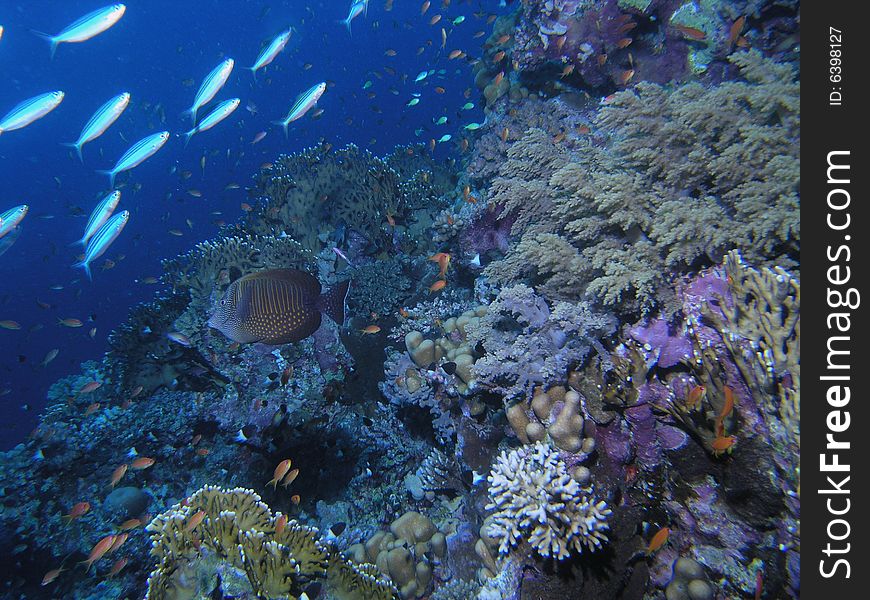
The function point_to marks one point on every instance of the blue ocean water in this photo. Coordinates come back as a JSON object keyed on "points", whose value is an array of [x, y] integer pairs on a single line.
{"points": [[159, 51]]}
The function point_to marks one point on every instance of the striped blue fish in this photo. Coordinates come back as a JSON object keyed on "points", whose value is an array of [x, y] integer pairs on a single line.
{"points": [[107, 114], [101, 241], [30, 110], [210, 86], [220, 112], [355, 10], [271, 51], [303, 104], [87, 27], [137, 153], [10, 219], [100, 215]]}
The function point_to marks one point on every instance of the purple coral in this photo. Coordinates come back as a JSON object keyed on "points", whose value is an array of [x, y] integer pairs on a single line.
{"points": [[490, 231]]}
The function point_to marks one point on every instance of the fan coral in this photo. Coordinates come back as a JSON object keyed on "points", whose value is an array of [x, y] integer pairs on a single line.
{"points": [[535, 498]]}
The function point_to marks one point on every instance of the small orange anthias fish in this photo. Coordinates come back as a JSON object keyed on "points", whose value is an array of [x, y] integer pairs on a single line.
{"points": [[286, 374], [438, 286], [195, 520], [658, 540], [280, 524], [290, 478], [89, 387], [727, 408], [117, 474], [723, 444], [130, 524], [141, 463], [693, 398], [119, 541], [736, 29], [371, 329], [117, 567], [52, 575], [295, 499], [443, 260], [693, 33], [78, 510], [98, 551], [279, 473]]}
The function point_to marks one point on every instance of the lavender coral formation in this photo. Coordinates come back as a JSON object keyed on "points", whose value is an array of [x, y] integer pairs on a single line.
{"points": [[530, 343], [676, 187], [534, 498]]}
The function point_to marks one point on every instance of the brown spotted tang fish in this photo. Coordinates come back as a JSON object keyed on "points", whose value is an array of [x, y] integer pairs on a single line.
{"points": [[277, 306]]}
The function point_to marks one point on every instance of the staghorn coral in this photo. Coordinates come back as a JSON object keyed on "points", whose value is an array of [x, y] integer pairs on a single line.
{"points": [[529, 343], [535, 499], [216, 529], [686, 175]]}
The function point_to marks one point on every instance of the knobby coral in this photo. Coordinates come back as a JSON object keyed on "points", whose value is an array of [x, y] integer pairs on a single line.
{"points": [[535, 498]]}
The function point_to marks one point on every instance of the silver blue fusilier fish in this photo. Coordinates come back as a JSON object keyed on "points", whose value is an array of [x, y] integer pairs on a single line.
{"points": [[30, 110], [355, 10], [271, 51], [303, 104], [101, 241], [100, 215], [210, 86], [220, 112], [87, 27], [137, 153], [101, 120], [10, 219]]}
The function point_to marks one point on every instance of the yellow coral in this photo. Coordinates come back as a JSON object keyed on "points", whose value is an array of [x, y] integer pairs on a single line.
{"points": [[235, 527]]}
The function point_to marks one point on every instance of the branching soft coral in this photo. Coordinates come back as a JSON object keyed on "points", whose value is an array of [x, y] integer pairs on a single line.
{"points": [[685, 175]]}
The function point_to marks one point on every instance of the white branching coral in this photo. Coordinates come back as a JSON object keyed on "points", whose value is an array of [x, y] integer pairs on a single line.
{"points": [[535, 498]]}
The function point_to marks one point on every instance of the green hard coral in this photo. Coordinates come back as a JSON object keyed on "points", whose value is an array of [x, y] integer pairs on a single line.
{"points": [[686, 174]]}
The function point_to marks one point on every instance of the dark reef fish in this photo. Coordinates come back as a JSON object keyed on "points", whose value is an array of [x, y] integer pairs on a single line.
{"points": [[277, 306]]}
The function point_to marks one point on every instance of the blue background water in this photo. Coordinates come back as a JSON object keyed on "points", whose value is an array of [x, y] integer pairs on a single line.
{"points": [[150, 52]]}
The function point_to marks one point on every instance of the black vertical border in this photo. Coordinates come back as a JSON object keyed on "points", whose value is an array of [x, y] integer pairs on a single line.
{"points": [[826, 128]]}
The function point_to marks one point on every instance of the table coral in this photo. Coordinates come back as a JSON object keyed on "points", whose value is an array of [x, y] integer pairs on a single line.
{"points": [[535, 499]]}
